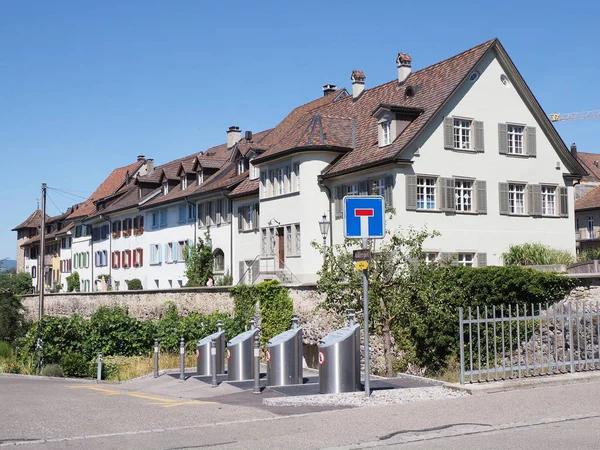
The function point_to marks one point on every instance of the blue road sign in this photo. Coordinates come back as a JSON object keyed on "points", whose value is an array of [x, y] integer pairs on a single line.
{"points": [[364, 217]]}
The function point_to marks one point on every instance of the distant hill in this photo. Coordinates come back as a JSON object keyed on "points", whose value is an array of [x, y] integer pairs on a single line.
{"points": [[7, 264]]}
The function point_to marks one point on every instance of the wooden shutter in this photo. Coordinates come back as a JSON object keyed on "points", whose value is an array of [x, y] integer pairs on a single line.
{"points": [[141, 261], [218, 207], [338, 196], [255, 270], [502, 138], [447, 194], [563, 201], [534, 199], [255, 221], [481, 196], [411, 192], [531, 141], [448, 133], [481, 259], [479, 140], [240, 218], [241, 269], [503, 198], [389, 188]]}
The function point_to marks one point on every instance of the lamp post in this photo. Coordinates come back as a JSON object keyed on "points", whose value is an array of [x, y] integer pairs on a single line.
{"points": [[324, 226]]}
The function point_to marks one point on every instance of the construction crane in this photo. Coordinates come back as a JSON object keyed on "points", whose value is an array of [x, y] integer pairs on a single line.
{"points": [[575, 116]]}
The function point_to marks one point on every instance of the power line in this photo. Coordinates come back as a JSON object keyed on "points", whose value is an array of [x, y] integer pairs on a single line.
{"points": [[68, 193], [55, 205]]}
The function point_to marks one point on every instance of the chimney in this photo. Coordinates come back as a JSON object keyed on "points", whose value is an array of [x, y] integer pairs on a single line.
{"points": [[248, 136], [328, 89], [404, 64], [141, 157], [233, 136], [149, 165], [358, 83], [574, 150]]}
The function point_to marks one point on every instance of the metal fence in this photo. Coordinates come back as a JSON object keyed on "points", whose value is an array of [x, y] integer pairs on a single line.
{"points": [[528, 340]]}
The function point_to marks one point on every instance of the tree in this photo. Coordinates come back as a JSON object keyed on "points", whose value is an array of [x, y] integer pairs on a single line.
{"points": [[395, 268], [199, 261], [73, 282], [12, 286]]}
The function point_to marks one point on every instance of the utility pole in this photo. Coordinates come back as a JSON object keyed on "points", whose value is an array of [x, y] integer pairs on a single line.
{"points": [[42, 252]]}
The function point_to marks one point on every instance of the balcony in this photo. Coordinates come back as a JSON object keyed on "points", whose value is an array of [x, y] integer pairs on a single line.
{"points": [[587, 235]]}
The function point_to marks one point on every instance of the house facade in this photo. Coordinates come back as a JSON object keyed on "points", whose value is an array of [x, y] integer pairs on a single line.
{"points": [[461, 147]]}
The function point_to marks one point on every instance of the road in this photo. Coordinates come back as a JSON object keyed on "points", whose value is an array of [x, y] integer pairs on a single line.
{"points": [[41, 413]]}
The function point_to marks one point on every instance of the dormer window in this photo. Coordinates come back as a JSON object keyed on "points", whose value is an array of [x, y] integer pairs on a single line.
{"points": [[200, 177], [392, 120], [242, 166], [254, 170], [183, 182], [386, 133], [165, 187]]}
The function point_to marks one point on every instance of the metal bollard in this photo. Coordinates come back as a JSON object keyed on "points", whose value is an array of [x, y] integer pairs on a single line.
{"points": [[213, 362], [99, 373], [294, 321], [351, 315], [182, 360], [220, 325], [256, 364], [155, 358], [252, 324]]}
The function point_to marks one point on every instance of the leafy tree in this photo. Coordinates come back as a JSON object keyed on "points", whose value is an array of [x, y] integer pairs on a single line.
{"points": [[199, 261], [11, 316], [393, 269], [73, 282]]}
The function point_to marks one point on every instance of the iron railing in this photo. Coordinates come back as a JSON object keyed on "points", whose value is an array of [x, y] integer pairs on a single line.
{"points": [[268, 266], [527, 340]]}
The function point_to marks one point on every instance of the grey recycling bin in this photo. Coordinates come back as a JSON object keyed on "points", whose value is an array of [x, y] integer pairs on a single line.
{"points": [[284, 357], [240, 361], [203, 366], [339, 361]]}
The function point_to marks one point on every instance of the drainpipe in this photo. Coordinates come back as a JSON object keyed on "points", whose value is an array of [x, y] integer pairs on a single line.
{"points": [[196, 221], [322, 184]]}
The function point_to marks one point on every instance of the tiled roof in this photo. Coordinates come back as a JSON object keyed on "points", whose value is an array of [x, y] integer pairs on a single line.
{"points": [[589, 201], [109, 186], [246, 187], [33, 221], [169, 169], [591, 161], [211, 162]]}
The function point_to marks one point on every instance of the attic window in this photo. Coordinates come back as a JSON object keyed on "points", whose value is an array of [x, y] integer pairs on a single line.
{"points": [[200, 177], [386, 133], [183, 182], [242, 166], [165, 188]]}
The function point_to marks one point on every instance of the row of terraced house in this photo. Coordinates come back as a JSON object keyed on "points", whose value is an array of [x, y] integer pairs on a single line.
{"points": [[461, 147]]}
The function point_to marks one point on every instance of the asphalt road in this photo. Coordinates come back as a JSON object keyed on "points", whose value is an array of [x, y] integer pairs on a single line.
{"points": [[39, 413]]}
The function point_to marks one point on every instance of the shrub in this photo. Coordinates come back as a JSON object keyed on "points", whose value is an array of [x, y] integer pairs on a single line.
{"points": [[75, 365], [12, 286], [73, 282], [225, 280], [51, 370], [530, 254], [276, 309], [4, 349], [245, 298], [589, 254], [134, 285]]}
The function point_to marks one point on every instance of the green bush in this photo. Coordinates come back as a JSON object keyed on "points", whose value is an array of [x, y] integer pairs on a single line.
{"points": [[4, 349], [134, 285], [51, 370], [73, 283], [276, 309], [589, 254], [11, 318], [245, 298], [531, 254], [75, 365]]}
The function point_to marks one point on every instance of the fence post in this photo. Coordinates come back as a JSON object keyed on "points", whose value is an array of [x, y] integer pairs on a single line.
{"points": [[99, 372], [571, 355], [182, 360], [462, 345], [155, 358], [213, 362], [256, 364]]}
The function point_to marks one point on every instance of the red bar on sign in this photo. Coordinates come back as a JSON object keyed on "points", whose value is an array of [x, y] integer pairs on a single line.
{"points": [[364, 212]]}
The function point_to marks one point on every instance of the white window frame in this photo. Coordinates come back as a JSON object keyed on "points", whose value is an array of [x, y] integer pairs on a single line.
{"points": [[281, 181], [264, 184], [466, 259], [515, 135], [184, 182], [191, 213], [296, 177], [462, 134], [590, 227], [352, 189], [426, 193], [386, 133], [463, 195], [549, 201], [516, 198], [155, 254], [430, 257]]}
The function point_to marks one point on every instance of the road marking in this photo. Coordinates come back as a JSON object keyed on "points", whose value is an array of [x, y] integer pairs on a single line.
{"points": [[165, 402]]}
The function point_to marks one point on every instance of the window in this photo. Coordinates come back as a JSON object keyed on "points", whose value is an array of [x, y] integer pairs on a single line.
{"points": [[515, 139], [219, 260], [298, 247], [280, 181], [386, 132], [155, 219], [288, 179], [163, 218], [288, 239], [116, 227], [430, 257], [138, 225], [462, 134], [242, 166], [116, 260], [155, 255], [170, 252], [126, 258], [548, 201], [465, 259], [101, 258], [181, 245], [200, 177], [426, 193], [165, 187], [352, 189], [265, 242], [463, 195], [576, 223], [78, 231], [516, 198], [191, 212], [264, 185], [182, 214], [138, 257], [184, 182], [378, 187], [590, 227], [248, 217]]}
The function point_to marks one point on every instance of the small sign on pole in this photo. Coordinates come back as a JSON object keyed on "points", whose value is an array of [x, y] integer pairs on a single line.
{"points": [[364, 254], [361, 265]]}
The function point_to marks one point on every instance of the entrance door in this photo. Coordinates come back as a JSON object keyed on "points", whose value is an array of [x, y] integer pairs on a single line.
{"points": [[281, 247]]}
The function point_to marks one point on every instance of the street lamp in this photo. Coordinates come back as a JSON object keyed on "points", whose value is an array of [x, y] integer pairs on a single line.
{"points": [[324, 226]]}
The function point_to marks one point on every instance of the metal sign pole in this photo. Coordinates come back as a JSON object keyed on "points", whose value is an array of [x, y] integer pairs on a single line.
{"points": [[365, 245]]}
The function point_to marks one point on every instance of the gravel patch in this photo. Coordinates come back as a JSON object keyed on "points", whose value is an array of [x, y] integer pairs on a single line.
{"points": [[380, 397]]}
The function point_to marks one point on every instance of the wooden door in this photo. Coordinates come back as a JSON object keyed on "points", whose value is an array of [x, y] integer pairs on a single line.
{"points": [[281, 247]]}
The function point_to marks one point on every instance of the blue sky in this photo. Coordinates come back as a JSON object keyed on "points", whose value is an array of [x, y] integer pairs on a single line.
{"points": [[87, 86]]}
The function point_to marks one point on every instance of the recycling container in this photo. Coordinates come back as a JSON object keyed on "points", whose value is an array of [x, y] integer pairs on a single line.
{"points": [[284, 357], [240, 361], [203, 366], [339, 361]]}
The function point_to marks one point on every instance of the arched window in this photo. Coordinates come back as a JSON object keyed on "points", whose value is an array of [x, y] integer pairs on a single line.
{"points": [[219, 260]]}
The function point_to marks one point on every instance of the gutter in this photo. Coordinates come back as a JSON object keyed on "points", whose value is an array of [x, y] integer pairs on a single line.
{"points": [[321, 183]]}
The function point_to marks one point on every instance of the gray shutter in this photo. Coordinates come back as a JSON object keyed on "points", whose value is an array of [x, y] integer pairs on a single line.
{"points": [[531, 141], [481, 194], [411, 192], [339, 212], [446, 186], [225, 217], [534, 199], [255, 221], [241, 268], [564, 201], [255, 270], [481, 259], [240, 218], [448, 133], [201, 214], [479, 141], [218, 207], [502, 138], [363, 188], [503, 198], [389, 188]]}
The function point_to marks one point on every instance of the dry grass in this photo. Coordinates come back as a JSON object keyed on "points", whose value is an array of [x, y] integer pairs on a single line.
{"points": [[136, 366]]}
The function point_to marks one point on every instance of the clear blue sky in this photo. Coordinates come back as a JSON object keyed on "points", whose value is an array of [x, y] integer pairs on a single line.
{"points": [[87, 86]]}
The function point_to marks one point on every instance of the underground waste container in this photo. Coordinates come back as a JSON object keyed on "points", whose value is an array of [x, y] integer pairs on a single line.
{"points": [[240, 361], [203, 366], [284, 357], [339, 361]]}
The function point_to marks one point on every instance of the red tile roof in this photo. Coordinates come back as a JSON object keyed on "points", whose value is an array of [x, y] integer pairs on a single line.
{"points": [[589, 201], [33, 221], [246, 187], [591, 161]]}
